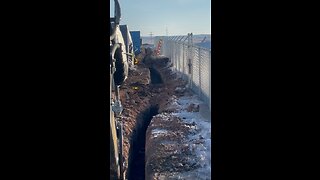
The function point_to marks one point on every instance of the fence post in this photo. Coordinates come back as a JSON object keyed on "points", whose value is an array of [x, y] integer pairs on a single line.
{"points": [[178, 56], [174, 54], [163, 48], [183, 58], [171, 52], [199, 55], [189, 60], [209, 67], [190, 57]]}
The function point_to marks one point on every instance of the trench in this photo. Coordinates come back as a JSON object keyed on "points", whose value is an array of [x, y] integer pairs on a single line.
{"points": [[136, 169], [155, 76], [136, 161]]}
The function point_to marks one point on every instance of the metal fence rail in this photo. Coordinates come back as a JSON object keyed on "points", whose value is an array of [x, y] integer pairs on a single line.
{"points": [[193, 62]]}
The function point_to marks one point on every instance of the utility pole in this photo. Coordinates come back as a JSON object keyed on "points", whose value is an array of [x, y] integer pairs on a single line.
{"points": [[151, 37], [167, 31]]}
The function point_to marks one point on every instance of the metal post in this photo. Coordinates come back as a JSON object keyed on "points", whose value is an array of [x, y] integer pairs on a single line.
{"points": [[178, 55], [164, 48], [167, 31], [151, 37], [175, 55], [170, 51], [199, 55], [190, 58], [175, 50], [183, 58], [210, 80]]}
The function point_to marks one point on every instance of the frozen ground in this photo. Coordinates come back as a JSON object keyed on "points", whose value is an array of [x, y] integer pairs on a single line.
{"points": [[181, 136], [178, 138]]}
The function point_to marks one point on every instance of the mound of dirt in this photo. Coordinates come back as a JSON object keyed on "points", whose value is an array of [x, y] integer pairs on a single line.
{"points": [[167, 150], [138, 94]]}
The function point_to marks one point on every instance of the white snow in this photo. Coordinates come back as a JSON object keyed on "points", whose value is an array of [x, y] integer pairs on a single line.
{"points": [[163, 116], [200, 131], [158, 132]]}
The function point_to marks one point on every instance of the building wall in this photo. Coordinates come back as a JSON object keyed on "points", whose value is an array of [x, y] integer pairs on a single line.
{"points": [[135, 35]]}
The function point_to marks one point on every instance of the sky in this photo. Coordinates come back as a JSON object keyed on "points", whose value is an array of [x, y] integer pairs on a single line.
{"points": [[179, 17]]}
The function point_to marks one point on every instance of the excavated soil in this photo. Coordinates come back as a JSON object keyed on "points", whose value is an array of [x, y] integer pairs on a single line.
{"points": [[148, 89]]}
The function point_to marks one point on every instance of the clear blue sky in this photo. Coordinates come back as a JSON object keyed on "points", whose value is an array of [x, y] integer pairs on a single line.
{"points": [[179, 16]]}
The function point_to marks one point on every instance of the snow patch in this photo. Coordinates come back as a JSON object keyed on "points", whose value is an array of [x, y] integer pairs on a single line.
{"points": [[158, 132], [198, 139], [163, 116]]}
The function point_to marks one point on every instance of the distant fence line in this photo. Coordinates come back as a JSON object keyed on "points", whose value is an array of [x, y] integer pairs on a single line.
{"points": [[193, 62]]}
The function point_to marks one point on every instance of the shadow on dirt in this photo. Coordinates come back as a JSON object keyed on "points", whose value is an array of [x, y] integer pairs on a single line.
{"points": [[136, 169], [155, 76]]}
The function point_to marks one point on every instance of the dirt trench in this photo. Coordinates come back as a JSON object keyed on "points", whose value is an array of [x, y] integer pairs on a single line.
{"points": [[136, 169], [146, 90]]}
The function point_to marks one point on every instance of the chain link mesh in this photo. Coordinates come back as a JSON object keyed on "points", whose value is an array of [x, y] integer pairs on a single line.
{"points": [[179, 53]]}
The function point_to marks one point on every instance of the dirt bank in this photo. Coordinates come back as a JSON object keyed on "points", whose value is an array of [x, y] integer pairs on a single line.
{"points": [[156, 143]]}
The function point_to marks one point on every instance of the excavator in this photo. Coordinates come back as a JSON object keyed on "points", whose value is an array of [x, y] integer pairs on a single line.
{"points": [[119, 68]]}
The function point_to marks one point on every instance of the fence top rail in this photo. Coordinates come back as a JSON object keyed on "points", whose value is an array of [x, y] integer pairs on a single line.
{"points": [[199, 47], [179, 40]]}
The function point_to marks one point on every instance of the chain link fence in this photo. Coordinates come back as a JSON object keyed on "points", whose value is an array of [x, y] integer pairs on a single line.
{"points": [[193, 62]]}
